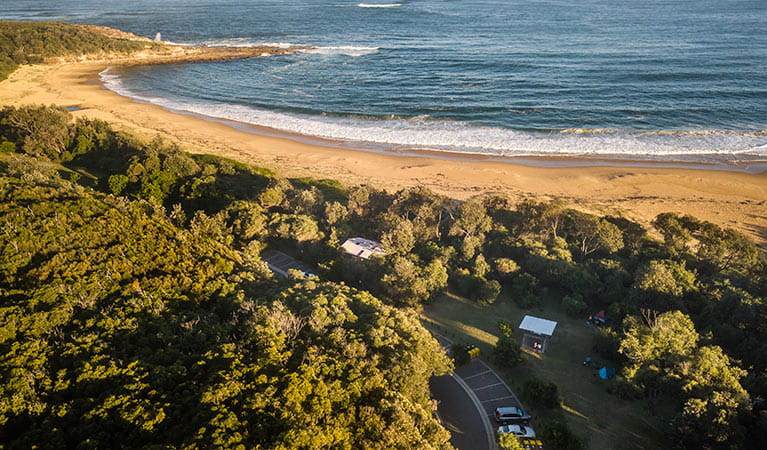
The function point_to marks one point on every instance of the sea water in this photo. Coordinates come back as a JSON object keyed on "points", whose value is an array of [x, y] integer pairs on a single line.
{"points": [[682, 80]]}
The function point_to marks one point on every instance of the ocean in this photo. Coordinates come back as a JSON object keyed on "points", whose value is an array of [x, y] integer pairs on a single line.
{"points": [[662, 80]]}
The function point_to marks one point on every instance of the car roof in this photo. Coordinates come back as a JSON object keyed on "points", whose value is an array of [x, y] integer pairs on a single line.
{"points": [[508, 410]]}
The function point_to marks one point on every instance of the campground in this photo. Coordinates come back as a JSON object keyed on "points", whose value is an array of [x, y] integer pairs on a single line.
{"points": [[601, 419]]}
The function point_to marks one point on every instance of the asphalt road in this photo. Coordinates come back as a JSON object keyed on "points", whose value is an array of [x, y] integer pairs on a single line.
{"points": [[458, 414]]}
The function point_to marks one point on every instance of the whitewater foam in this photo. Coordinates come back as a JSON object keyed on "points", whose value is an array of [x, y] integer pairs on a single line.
{"points": [[422, 132], [344, 50], [341, 50], [379, 5]]}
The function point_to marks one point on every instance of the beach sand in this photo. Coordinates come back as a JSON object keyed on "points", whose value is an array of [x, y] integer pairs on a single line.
{"points": [[728, 198]]}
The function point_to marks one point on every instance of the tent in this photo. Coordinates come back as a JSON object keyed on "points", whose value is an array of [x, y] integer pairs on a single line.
{"points": [[600, 317], [606, 373]]}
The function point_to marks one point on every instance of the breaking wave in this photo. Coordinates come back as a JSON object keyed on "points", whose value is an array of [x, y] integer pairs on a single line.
{"points": [[422, 132], [379, 5]]}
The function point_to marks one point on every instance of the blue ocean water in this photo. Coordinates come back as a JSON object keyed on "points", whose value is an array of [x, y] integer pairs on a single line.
{"points": [[660, 79]]}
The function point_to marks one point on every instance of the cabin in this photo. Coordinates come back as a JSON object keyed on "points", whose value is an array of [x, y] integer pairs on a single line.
{"points": [[362, 248], [537, 333]]}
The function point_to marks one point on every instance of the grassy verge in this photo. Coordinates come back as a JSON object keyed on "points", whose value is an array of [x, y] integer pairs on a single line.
{"points": [[604, 421]]}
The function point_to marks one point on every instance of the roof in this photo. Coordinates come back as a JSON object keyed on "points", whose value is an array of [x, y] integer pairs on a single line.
{"points": [[538, 325], [364, 248]]}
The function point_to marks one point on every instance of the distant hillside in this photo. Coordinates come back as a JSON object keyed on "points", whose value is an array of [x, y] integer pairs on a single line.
{"points": [[32, 42]]}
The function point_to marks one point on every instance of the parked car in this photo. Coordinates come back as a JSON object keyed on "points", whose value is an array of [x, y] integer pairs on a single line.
{"points": [[517, 430], [511, 415]]}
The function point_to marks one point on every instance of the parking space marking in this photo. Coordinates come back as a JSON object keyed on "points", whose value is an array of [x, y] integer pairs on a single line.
{"points": [[476, 375], [499, 398], [488, 386]]}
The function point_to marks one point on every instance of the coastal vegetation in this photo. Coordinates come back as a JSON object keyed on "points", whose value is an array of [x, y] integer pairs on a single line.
{"points": [[33, 42], [136, 307]]}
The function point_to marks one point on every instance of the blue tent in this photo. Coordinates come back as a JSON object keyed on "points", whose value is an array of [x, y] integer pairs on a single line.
{"points": [[606, 373]]}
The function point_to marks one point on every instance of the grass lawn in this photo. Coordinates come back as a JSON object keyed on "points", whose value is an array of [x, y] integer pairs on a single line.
{"points": [[604, 421]]}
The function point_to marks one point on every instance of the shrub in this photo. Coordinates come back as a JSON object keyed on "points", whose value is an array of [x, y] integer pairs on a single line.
{"points": [[507, 352], [505, 327], [541, 394], [606, 344], [487, 292], [117, 183], [7, 147], [574, 306], [522, 290], [460, 356], [557, 434], [506, 267], [623, 389], [508, 441]]}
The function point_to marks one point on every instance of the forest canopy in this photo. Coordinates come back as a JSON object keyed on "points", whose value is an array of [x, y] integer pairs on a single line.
{"points": [[134, 296], [32, 42]]}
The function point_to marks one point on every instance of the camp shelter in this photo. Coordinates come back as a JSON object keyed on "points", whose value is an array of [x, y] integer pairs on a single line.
{"points": [[537, 332]]}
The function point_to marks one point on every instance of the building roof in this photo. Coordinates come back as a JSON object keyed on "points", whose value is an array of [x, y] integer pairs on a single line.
{"points": [[361, 247], [538, 325]]}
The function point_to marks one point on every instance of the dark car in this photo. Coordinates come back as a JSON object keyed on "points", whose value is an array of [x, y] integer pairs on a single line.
{"points": [[511, 414]]}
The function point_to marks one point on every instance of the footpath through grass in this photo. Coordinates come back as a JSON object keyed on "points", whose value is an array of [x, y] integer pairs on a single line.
{"points": [[603, 420]]}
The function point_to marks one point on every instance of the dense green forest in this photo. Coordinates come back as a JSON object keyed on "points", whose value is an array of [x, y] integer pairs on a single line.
{"points": [[117, 325], [32, 42], [136, 307]]}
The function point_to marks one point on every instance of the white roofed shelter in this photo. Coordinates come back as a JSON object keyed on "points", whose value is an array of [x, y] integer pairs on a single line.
{"points": [[537, 332], [362, 248]]}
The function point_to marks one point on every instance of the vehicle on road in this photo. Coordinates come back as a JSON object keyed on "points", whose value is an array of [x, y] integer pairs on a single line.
{"points": [[517, 430], [511, 415]]}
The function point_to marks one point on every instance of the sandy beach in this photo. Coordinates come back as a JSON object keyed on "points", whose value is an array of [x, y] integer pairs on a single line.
{"points": [[729, 198]]}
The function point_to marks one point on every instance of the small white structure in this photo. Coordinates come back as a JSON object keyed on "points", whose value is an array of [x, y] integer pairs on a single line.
{"points": [[537, 332], [362, 248]]}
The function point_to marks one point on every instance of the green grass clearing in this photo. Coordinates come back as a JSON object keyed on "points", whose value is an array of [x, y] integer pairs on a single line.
{"points": [[604, 421]]}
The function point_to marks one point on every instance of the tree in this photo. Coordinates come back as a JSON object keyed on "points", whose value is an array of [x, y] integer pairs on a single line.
{"points": [[595, 234], [44, 130], [408, 284], [675, 230], [542, 217], [472, 220], [541, 394], [508, 441], [507, 352], [727, 249], [117, 183], [487, 291], [574, 305], [506, 268], [400, 239], [659, 282]]}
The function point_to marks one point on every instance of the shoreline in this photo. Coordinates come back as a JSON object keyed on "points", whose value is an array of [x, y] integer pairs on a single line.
{"points": [[730, 198], [752, 166], [704, 161]]}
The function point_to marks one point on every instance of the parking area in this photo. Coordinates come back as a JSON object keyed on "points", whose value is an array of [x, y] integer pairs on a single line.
{"points": [[487, 386], [280, 263]]}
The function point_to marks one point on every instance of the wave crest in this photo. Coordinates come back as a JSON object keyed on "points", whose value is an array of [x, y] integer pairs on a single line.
{"points": [[379, 5], [424, 132]]}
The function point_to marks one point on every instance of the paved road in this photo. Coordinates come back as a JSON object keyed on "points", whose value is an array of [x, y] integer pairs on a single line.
{"points": [[458, 414], [487, 391], [487, 386]]}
